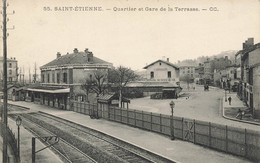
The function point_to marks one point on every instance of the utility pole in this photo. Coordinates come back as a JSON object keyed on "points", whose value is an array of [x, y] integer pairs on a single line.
{"points": [[4, 115], [4, 118]]}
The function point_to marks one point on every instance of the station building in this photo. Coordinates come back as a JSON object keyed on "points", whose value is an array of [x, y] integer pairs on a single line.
{"points": [[61, 79]]}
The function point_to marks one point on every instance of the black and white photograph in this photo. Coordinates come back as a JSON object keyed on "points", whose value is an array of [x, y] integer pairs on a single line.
{"points": [[116, 81]]}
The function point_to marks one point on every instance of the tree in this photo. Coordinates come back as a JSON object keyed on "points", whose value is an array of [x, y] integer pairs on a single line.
{"points": [[119, 77], [87, 86], [98, 84], [188, 79]]}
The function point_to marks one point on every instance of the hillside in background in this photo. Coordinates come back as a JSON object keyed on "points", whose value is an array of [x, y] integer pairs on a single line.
{"points": [[202, 59]]}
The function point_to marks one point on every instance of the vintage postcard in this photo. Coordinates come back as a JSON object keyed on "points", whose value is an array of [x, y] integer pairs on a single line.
{"points": [[130, 81]]}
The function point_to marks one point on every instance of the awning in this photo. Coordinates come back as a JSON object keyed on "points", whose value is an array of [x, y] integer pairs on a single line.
{"points": [[64, 90]]}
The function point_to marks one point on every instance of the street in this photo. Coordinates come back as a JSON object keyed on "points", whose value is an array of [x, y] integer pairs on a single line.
{"points": [[198, 104]]}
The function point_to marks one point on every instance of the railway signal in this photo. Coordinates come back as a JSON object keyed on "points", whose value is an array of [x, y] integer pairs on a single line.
{"points": [[45, 139]]}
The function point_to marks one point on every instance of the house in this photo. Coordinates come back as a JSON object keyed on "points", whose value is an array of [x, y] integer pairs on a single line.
{"points": [[61, 79], [187, 69], [226, 77], [162, 71], [199, 71], [211, 66], [161, 77], [12, 70], [249, 86]]}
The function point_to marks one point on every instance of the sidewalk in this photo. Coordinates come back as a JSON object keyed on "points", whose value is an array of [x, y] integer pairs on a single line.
{"points": [[177, 150], [45, 156], [230, 111]]}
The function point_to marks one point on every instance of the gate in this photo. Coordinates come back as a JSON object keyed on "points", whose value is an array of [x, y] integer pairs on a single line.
{"points": [[188, 130]]}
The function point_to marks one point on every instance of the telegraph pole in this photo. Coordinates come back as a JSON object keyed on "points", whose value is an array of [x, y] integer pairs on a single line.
{"points": [[4, 118]]}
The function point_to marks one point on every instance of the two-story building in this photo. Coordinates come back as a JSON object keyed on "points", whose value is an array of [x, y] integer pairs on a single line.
{"points": [[61, 79], [162, 71]]}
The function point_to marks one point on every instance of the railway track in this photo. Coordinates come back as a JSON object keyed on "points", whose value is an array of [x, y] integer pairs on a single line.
{"points": [[67, 152], [99, 146]]}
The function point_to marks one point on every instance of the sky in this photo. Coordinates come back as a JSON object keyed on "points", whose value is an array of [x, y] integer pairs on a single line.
{"points": [[129, 38]]}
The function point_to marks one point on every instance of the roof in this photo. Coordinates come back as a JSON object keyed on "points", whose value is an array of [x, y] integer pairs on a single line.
{"points": [[250, 49], [152, 84], [106, 97], [111, 96], [8, 59], [48, 89], [187, 64], [78, 58], [166, 62]]}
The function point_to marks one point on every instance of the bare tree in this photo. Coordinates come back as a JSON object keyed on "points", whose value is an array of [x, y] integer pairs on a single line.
{"points": [[119, 77], [87, 86], [97, 84], [100, 83]]}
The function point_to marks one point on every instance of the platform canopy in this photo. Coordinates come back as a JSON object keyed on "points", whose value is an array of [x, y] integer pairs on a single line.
{"points": [[48, 90]]}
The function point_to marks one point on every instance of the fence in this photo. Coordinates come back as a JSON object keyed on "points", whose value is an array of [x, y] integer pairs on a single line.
{"points": [[241, 142], [11, 140]]}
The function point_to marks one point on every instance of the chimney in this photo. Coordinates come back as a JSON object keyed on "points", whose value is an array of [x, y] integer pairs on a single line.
{"points": [[90, 56], [250, 41], [244, 46], [168, 60], [58, 55], [14, 58], [75, 50], [226, 57]]}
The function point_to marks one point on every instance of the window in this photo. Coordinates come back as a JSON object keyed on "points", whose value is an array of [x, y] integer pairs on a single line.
{"points": [[10, 79], [10, 65], [65, 77], [43, 78], [152, 75], [10, 72], [48, 78], [90, 76], [53, 78], [80, 98], [160, 63], [58, 78], [169, 74]]}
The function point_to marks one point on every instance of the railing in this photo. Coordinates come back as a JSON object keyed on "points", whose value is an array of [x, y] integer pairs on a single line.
{"points": [[241, 142], [10, 139]]}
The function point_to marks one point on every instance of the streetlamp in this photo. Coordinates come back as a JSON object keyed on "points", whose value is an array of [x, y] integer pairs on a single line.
{"points": [[18, 123], [172, 104]]}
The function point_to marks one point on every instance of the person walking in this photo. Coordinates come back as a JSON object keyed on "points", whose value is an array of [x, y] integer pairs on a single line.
{"points": [[229, 100]]}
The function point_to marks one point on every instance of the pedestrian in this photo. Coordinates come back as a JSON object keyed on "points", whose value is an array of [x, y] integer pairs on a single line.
{"points": [[229, 100], [239, 114]]}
